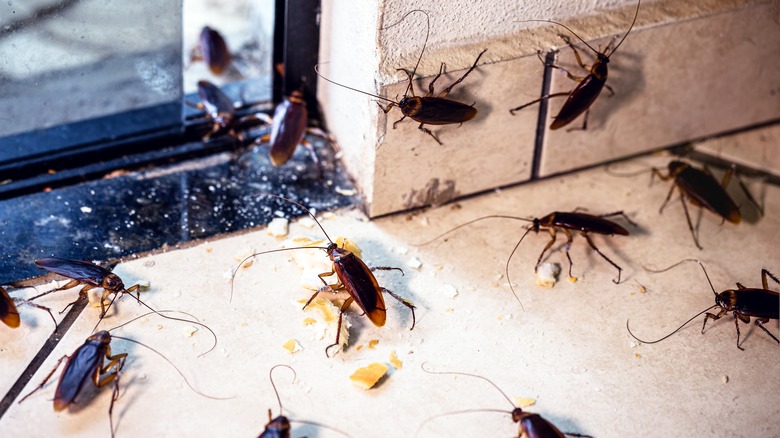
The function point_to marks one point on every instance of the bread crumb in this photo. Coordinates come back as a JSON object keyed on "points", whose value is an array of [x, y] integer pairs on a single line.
{"points": [[573, 279], [547, 274], [523, 402], [366, 377], [414, 263], [725, 379], [372, 343], [189, 331], [449, 291], [278, 227], [309, 321], [292, 346], [395, 361]]}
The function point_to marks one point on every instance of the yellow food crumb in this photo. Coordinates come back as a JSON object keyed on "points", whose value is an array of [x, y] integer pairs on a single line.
{"points": [[366, 377], [359, 347], [372, 343], [523, 402], [244, 324], [309, 321], [328, 311], [395, 361], [292, 346], [349, 245], [637, 355], [573, 279]]}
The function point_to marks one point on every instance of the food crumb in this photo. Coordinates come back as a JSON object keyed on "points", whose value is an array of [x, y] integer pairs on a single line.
{"points": [[414, 263], [573, 279], [547, 274], [309, 321], [366, 377], [450, 291], [523, 402], [372, 343], [725, 379], [189, 331], [395, 361], [359, 347], [292, 346], [278, 227], [637, 355]]}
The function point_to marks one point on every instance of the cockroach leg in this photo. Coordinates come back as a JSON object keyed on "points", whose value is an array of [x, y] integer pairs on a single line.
{"points": [[690, 223], [404, 302], [387, 268], [46, 379], [621, 214], [592, 245], [343, 308], [760, 323], [553, 236], [473, 66]]}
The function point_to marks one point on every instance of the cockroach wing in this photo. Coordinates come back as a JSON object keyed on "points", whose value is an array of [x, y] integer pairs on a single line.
{"points": [[578, 101], [703, 190], [362, 286], [279, 427], [214, 50], [8, 313], [588, 223], [535, 426], [439, 111], [759, 303], [78, 369], [82, 271], [289, 125]]}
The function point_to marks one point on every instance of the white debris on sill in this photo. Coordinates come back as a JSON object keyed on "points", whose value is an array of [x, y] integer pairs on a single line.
{"points": [[278, 227], [547, 274]]}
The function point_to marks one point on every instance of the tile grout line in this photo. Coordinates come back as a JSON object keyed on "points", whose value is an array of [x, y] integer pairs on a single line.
{"points": [[543, 105], [41, 356]]}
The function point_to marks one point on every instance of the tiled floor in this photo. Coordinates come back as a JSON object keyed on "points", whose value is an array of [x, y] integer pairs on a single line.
{"points": [[566, 347]]}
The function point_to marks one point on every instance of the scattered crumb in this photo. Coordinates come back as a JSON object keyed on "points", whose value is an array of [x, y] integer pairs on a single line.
{"points": [[401, 250], [307, 222], [547, 274], [499, 277], [395, 361], [95, 295], [439, 267], [449, 309], [86, 209], [328, 311], [523, 402], [368, 376], [572, 279], [372, 343], [142, 376], [449, 291], [189, 331], [309, 321], [278, 227], [637, 355], [292, 346], [328, 215], [633, 344], [359, 347], [345, 192], [246, 257], [244, 324], [414, 263], [724, 378], [209, 249], [159, 327]]}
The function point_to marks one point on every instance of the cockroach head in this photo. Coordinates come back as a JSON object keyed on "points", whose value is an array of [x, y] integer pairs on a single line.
{"points": [[102, 336], [517, 415], [412, 104], [112, 283], [675, 167]]}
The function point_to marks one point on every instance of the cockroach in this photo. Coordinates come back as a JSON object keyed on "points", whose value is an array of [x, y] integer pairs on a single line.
{"points": [[288, 127], [565, 222], [531, 425], [588, 88], [354, 277], [90, 275], [221, 111], [744, 303], [703, 190], [212, 49], [427, 109], [9, 314], [279, 427], [88, 362]]}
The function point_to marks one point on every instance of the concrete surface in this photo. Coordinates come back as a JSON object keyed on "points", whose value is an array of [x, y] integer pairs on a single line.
{"points": [[566, 347]]}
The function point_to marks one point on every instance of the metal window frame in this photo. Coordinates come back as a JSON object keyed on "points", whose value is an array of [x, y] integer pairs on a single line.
{"points": [[295, 48]]}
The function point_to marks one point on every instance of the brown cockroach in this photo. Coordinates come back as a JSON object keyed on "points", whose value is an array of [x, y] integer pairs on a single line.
{"points": [[744, 303], [354, 277], [427, 109], [9, 313], [531, 425], [588, 88]]}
